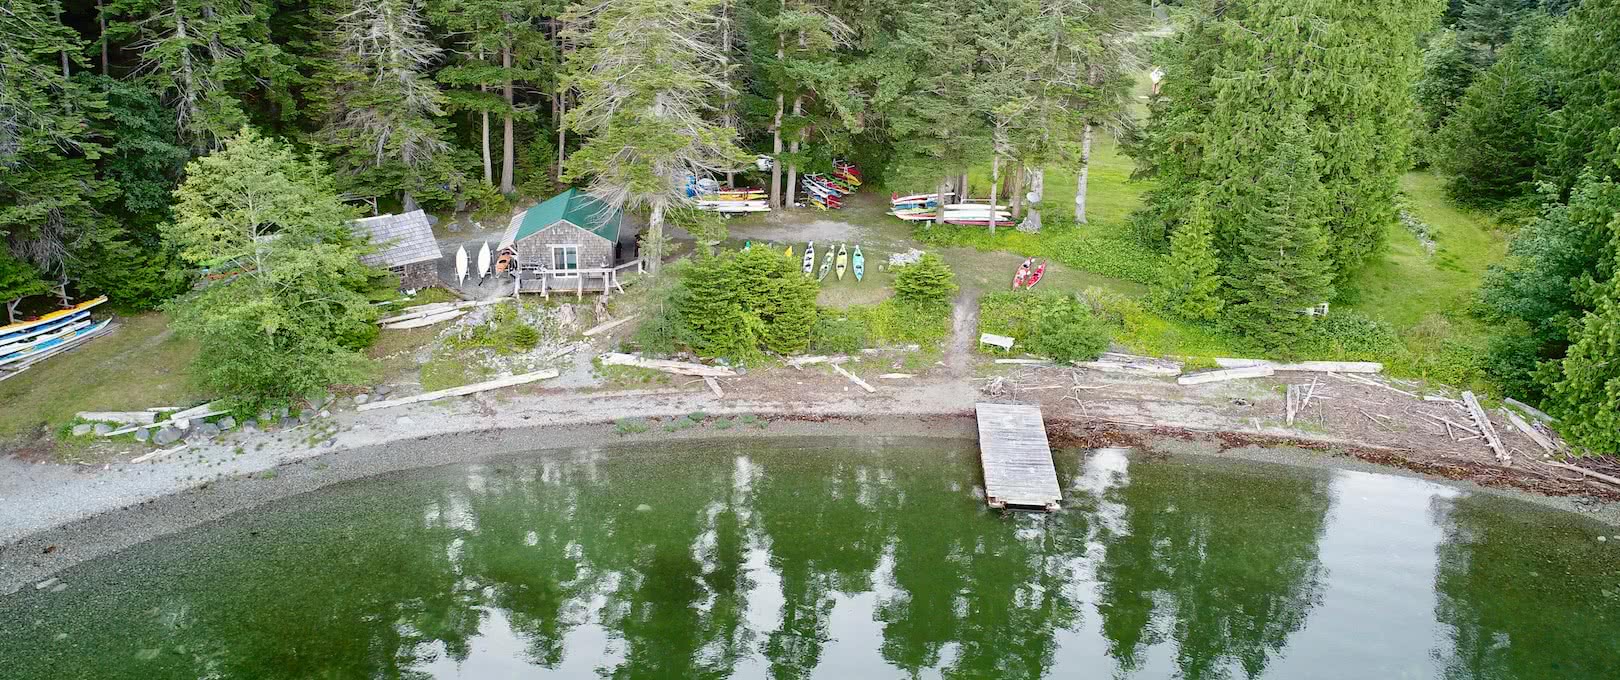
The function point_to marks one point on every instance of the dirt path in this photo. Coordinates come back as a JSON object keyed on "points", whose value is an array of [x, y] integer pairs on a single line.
{"points": [[964, 327]]}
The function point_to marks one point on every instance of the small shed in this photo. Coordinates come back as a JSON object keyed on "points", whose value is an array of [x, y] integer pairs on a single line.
{"points": [[405, 246], [562, 242]]}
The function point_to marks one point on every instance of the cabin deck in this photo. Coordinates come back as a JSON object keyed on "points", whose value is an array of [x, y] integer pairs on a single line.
{"points": [[1016, 458]]}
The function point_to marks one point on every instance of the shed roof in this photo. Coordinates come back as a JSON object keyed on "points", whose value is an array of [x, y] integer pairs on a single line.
{"points": [[574, 206], [400, 239]]}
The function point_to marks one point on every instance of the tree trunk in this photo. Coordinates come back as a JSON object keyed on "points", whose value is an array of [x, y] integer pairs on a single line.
{"points": [[939, 210], [1037, 187], [729, 115], [101, 18], [654, 240], [793, 168], [1016, 190], [489, 166], [776, 151], [407, 201], [995, 184], [507, 162], [1085, 169], [962, 188]]}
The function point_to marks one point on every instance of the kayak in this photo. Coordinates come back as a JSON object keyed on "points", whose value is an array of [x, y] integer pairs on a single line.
{"points": [[483, 261], [1023, 273], [1035, 276], [48, 321], [790, 251], [461, 265], [826, 267], [810, 258], [858, 261], [843, 261]]}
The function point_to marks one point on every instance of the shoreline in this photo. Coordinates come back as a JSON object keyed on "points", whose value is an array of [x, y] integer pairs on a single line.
{"points": [[97, 532]]}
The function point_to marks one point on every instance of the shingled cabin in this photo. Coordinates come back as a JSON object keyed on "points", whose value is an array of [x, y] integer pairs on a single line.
{"points": [[405, 246], [568, 243]]}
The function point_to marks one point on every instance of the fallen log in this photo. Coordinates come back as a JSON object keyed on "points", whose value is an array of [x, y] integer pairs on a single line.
{"points": [[714, 386], [1371, 383], [1226, 374], [424, 321], [120, 417], [160, 453], [1024, 362], [675, 367], [1540, 439], [420, 311], [601, 328], [1310, 366], [853, 378], [464, 390], [1533, 412], [896, 376], [1594, 475], [1486, 428], [801, 362]]}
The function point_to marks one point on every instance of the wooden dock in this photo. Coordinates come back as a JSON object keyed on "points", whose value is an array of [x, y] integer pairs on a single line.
{"points": [[1017, 460]]}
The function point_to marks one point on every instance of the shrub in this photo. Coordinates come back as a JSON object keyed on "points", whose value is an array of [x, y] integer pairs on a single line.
{"points": [[630, 426], [522, 336], [1049, 323], [837, 334], [738, 305], [928, 280]]}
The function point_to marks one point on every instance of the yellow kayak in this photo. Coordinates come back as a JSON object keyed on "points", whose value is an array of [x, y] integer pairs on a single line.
{"points": [[843, 261], [790, 251]]}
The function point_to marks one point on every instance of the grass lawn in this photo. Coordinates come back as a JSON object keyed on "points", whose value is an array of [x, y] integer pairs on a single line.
{"points": [[1405, 284], [140, 365]]}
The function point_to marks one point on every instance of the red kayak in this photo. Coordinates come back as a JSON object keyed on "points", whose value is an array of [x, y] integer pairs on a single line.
{"points": [[1023, 273], [1035, 276]]}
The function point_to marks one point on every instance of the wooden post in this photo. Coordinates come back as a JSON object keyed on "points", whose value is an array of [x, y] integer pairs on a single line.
{"points": [[11, 310]]}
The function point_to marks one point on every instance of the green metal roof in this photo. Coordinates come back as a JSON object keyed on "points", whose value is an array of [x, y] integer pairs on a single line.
{"points": [[577, 207]]}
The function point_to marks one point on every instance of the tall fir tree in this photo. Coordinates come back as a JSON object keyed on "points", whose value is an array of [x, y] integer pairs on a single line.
{"points": [[647, 78], [1489, 148], [1280, 265], [1242, 66], [385, 126], [937, 133], [1583, 133]]}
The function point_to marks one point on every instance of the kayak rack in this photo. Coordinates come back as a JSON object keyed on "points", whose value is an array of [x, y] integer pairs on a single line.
{"points": [[1016, 458]]}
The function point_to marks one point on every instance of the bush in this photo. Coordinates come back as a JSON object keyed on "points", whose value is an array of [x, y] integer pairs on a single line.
{"points": [[837, 334], [1048, 323], [522, 336], [928, 280], [738, 306]]}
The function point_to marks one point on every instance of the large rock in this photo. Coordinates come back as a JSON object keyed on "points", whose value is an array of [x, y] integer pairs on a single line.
{"points": [[167, 435], [432, 221], [83, 429], [103, 428], [227, 423], [360, 399], [143, 434], [383, 390]]}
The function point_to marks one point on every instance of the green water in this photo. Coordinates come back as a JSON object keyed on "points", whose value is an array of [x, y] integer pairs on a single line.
{"points": [[843, 559]]}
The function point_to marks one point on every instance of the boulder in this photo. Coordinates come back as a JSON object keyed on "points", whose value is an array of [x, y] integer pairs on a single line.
{"points": [[83, 429], [167, 435], [383, 390], [432, 221], [266, 417], [361, 399], [143, 434], [103, 428], [325, 413], [288, 422], [227, 423]]}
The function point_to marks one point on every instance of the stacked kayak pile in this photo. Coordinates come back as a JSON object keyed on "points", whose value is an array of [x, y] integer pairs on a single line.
{"points": [[24, 343], [710, 196], [916, 207], [978, 214], [826, 192]]}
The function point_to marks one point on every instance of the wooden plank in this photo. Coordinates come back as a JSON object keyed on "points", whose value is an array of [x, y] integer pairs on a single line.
{"points": [[1372, 383], [1016, 458], [1024, 362], [714, 386], [1540, 439], [121, 417], [421, 311], [801, 362], [160, 453], [424, 321], [1486, 428], [853, 379], [675, 367], [1001, 341], [510, 381], [1308, 366], [1226, 374], [1114, 362], [610, 325]]}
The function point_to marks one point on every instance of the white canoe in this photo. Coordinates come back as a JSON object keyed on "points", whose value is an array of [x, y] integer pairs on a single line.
{"points": [[914, 198], [483, 261], [461, 265]]}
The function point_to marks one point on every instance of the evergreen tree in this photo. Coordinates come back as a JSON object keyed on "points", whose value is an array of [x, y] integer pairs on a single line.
{"points": [[1489, 146], [929, 280], [937, 132], [646, 77], [18, 279], [502, 49], [1191, 286], [1281, 265], [710, 304], [206, 57], [1240, 70], [1585, 56], [386, 111], [50, 196], [292, 315], [1583, 389]]}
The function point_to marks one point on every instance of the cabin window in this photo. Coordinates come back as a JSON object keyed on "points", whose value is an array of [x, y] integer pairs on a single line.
{"points": [[565, 260]]}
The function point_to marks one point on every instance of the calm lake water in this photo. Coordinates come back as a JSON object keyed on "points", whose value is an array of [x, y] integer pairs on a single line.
{"points": [[844, 559]]}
